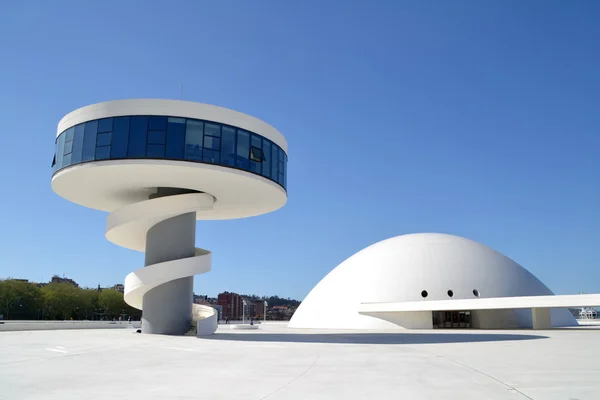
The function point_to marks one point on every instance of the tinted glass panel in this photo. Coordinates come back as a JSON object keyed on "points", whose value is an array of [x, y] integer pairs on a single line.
{"points": [[68, 147], [156, 151], [103, 139], [281, 166], [102, 153], [77, 144], [120, 137], [137, 137], [193, 140], [285, 171], [69, 134], [105, 125], [157, 124], [211, 156], [156, 137], [175, 138], [255, 166], [274, 163], [212, 143], [228, 146], [243, 149], [60, 146], [172, 138], [89, 141], [266, 165], [212, 129]]}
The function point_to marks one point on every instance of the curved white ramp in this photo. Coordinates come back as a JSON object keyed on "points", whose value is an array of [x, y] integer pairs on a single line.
{"points": [[205, 318], [128, 227]]}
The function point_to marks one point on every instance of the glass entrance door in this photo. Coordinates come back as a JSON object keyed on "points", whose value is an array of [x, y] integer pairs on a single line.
{"points": [[451, 319]]}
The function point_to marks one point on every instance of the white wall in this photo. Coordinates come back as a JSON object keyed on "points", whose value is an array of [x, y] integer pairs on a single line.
{"points": [[410, 320]]}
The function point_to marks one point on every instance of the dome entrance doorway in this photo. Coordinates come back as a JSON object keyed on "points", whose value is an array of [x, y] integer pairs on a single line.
{"points": [[451, 319]]}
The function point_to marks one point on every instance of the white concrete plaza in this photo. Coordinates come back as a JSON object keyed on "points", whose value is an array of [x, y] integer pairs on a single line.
{"points": [[276, 362]]}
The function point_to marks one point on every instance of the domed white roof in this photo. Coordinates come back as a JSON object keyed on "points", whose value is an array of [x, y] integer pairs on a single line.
{"points": [[402, 269]]}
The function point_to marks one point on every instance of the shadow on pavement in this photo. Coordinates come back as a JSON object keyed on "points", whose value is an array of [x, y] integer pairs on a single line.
{"points": [[372, 338]]}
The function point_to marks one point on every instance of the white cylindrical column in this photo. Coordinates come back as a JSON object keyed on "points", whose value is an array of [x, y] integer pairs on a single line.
{"points": [[167, 308]]}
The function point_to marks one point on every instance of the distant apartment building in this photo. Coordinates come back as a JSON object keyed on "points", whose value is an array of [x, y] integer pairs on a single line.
{"points": [[260, 309], [250, 309], [231, 304], [58, 279]]}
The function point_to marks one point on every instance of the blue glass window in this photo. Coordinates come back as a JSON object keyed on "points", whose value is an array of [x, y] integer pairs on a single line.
{"points": [[243, 149], [212, 147], [89, 141], [120, 137], [255, 154], [228, 146], [156, 151], [274, 163], [105, 125], [266, 165], [68, 147], [157, 124], [103, 153], [281, 166], [285, 170], [60, 147], [103, 139], [175, 138], [69, 133], [193, 140], [212, 143], [137, 136], [156, 137], [211, 156], [212, 129], [77, 144]]}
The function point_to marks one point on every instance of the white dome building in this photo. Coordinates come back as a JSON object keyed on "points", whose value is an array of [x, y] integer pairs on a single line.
{"points": [[423, 268]]}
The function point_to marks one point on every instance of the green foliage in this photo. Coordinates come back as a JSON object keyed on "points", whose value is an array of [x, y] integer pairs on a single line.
{"points": [[19, 300], [62, 301], [111, 303]]}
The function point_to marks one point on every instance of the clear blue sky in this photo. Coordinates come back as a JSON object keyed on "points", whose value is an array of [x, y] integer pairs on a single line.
{"points": [[480, 119]]}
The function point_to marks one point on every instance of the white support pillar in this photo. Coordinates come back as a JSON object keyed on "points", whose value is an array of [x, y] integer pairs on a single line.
{"points": [[541, 318]]}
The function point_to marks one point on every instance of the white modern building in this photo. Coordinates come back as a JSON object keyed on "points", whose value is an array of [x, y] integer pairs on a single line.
{"points": [[431, 280], [157, 166]]}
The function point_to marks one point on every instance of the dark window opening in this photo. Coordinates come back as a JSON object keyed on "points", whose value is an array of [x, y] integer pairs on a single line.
{"points": [[54, 161], [450, 293], [424, 293], [256, 154], [476, 292]]}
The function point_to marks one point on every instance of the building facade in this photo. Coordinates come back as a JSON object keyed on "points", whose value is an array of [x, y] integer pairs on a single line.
{"points": [[158, 166], [231, 305], [428, 280]]}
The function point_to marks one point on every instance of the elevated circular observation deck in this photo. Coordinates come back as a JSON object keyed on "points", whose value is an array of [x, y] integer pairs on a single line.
{"points": [[157, 166]]}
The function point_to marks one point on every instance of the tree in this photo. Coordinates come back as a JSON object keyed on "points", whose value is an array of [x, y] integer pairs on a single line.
{"points": [[19, 299], [87, 303], [111, 302], [60, 300]]}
